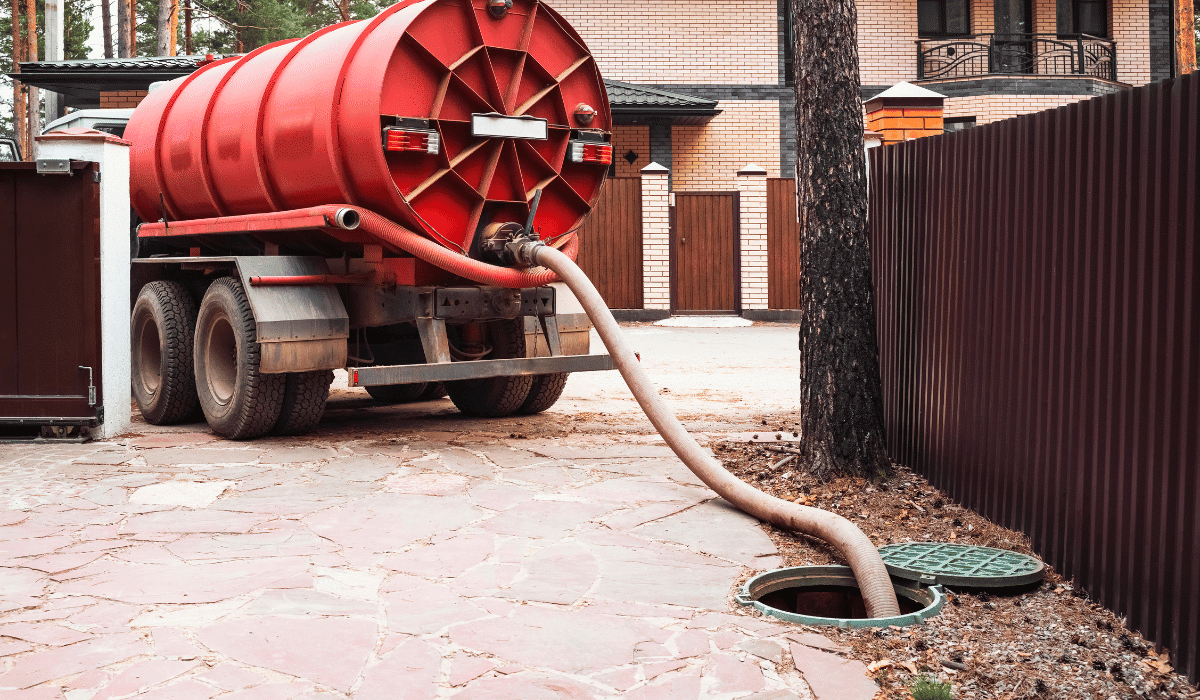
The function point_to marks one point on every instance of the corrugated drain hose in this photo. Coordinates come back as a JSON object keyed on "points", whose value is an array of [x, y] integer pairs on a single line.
{"points": [[869, 571]]}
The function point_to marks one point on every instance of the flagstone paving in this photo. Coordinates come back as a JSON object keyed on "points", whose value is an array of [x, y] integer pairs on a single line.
{"points": [[174, 565]]}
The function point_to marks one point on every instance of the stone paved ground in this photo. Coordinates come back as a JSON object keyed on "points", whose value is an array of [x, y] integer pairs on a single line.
{"points": [[414, 558]]}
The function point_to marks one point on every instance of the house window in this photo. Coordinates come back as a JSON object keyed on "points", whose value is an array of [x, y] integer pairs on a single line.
{"points": [[1083, 17], [943, 18], [957, 123]]}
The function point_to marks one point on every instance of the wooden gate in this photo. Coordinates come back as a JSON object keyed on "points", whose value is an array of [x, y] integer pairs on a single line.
{"points": [[783, 245], [610, 243], [705, 258], [49, 296]]}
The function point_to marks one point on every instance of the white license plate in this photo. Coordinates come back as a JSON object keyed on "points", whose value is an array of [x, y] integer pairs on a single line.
{"points": [[500, 126]]}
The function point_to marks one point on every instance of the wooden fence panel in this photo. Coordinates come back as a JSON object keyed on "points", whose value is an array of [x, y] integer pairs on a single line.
{"points": [[610, 243], [704, 252], [783, 245]]}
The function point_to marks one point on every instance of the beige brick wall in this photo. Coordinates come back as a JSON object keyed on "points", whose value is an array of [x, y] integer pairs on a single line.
{"points": [[656, 241], [634, 138], [679, 41], [1129, 25], [707, 157], [887, 32], [752, 220], [992, 108], [983, 16], [1045, 16], [887, 35], [123, 99]]}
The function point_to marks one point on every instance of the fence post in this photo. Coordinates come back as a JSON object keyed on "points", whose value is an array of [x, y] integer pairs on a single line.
{"points": [[752, 236], [656, 238], [115, 372]]}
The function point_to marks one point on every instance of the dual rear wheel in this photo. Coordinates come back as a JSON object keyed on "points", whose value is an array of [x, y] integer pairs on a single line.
{"points": [[504, 396], [186, 357], [189, 359]]}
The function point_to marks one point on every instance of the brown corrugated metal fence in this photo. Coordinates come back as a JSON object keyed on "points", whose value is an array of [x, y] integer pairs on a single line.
{"points": [[610, 243], [1037, 287]]}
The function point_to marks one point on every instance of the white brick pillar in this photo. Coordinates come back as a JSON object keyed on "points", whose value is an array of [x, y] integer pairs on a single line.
{"points": [[656, 238], [113, 156], [752, 218]]}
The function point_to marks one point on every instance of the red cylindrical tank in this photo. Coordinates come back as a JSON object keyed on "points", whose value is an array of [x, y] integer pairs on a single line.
{"points": [[305, 122]]}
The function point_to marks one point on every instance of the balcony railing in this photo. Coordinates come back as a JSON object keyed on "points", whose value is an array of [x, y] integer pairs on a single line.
{"points": [[1017, 54]]}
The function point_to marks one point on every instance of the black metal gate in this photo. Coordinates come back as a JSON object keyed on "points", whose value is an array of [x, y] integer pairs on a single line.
{"points": [[49, 296]]}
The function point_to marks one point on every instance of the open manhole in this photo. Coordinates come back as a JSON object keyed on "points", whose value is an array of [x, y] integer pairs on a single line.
{"points": [[829, 595], [969, 566]]}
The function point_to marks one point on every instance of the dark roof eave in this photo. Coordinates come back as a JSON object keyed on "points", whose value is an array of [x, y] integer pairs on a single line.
{"points": [[76, 77], [672, 115]]}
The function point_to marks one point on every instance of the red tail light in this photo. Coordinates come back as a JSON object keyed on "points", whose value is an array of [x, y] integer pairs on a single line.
{"points": [[591, 152], [411, 140]]}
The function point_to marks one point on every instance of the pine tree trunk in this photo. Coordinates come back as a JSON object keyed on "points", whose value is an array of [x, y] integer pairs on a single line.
{"points": [[33, 106], [133, 45], [18, 88], [106, 27], [164, 28], [122, 28], [841, 401]]}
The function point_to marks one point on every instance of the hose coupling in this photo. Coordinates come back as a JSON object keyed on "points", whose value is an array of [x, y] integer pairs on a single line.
{"points": [[524, 249]]}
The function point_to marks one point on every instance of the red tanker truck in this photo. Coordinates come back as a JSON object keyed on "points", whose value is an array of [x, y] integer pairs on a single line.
{"points": [[351, 200]]}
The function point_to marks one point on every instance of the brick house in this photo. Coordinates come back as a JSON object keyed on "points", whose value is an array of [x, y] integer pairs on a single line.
{"points": [[704, 91], [739, 53]]}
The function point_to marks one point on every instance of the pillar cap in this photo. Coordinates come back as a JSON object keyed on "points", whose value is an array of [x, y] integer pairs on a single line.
{"points": [[654, 168], [81, 133], [752, 169], [905, 94]]}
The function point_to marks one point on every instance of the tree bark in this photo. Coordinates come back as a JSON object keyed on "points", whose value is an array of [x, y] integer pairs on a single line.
{"points": [[164, 28], [122, 28], [33, 106], [106, 27], [1185, 37], [187, 27], [133, 45], [841, 402], [18, 51]]}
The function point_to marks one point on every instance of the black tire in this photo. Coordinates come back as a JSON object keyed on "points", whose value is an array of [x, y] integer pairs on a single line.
{"points": [[239, 402], [433, 391], [494, 397], [163, 323], [397, 393], [304, 397], [544, 392]]}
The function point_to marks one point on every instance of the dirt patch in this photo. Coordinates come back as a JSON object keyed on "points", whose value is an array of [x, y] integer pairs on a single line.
{"points": [[1047, 641]]}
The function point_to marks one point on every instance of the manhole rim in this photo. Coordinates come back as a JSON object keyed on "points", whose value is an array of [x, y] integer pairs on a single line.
{"points": [[926, 578], [840, 576]]}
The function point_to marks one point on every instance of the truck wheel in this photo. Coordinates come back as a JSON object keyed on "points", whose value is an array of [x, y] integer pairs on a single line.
{"points": [[304, 397], [544, 392], [239, 402], [163, 322], [433, 391], [493, 397], [397, 393]]}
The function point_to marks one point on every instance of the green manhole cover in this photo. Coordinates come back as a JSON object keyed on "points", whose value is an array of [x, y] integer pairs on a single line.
{"points": [[960, 565]]}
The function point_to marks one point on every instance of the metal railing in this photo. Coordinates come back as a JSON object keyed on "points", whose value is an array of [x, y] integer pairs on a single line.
{"points": [[1017, 54]]}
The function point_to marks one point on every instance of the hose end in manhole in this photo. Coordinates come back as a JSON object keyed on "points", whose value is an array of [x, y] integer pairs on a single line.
{"points": [[829, 596]]}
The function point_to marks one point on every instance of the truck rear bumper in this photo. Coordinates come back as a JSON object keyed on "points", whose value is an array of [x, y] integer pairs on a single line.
{"points": [[476, 369]]}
